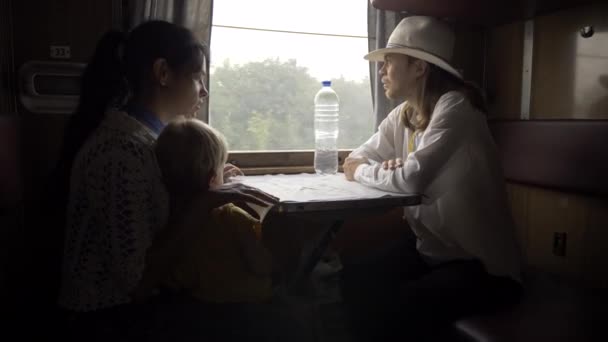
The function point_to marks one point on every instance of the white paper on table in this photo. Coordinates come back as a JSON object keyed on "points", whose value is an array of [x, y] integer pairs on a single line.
{"points": [[311, 187]]}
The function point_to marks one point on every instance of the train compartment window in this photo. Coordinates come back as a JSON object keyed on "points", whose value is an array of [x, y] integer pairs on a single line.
{"points": [[268, 59]]}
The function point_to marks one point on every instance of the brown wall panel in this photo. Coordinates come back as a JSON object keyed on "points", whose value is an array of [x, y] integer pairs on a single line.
{"points": [[595, 241], [38, 25], [504, 53], [77, 23], [570, 73], [468, 52], [518, 199], [569, 81], [540, 213], [550, 213]]}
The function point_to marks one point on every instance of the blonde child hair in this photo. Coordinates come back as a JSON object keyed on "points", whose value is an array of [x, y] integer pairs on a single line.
{"points": [[190, 155]]}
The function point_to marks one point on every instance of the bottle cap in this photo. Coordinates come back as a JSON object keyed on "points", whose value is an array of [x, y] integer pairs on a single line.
{"points": [[326, 83]]}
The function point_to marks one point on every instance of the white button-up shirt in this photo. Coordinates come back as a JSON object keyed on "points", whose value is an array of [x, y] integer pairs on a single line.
{"points": [[464, 212]]}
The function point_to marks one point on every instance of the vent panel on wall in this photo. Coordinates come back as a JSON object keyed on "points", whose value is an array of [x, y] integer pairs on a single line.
{"points": [[50, 87]]}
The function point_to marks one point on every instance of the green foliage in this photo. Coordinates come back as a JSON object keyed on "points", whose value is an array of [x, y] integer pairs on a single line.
{"points": [[269, 105]]}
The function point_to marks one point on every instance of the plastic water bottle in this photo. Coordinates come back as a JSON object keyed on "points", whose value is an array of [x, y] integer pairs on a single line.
{"points": [[327, 108]]}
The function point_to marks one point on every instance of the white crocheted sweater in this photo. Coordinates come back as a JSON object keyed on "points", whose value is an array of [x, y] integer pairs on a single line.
{"points": [[117, 203]]}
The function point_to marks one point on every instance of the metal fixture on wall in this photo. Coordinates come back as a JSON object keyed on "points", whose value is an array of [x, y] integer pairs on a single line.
{"points": [[50, 87], [587, 31], [526, 79]]}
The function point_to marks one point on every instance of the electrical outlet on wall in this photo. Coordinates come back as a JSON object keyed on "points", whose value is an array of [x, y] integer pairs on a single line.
{"points": [[559, 243]]}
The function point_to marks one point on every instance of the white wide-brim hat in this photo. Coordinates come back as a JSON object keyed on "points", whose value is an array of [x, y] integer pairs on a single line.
{"points": [[425, 38]]}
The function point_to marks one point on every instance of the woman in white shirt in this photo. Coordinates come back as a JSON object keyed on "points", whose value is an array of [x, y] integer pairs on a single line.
{"points": [[436, 143]]}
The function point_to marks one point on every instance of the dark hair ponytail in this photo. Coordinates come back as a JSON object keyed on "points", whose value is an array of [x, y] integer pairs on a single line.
{"points": [[102, 85]]}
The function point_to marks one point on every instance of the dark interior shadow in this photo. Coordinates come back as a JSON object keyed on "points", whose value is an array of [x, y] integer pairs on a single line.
{"points": [[599, 109]]}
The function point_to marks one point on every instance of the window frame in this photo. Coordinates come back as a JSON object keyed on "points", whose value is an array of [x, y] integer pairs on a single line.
{"points": [[274, 162]]}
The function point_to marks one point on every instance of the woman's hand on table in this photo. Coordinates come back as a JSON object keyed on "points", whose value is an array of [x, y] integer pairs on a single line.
{"points": [[392, 164], [239, 194], [350, 166]]}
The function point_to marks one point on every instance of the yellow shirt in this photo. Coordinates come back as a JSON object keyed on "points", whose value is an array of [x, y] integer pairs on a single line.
{"points": [[209, 259]]}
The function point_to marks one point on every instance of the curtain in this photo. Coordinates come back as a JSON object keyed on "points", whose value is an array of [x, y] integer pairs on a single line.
{"points": [[193, 14], [8, 100], [380, 24]]}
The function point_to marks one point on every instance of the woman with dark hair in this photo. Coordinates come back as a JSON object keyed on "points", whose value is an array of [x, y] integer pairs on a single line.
{"points": [[133, 86], [437, 143]]}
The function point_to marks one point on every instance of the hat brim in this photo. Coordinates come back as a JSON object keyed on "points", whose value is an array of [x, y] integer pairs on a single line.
{"points": [[378, 56]]}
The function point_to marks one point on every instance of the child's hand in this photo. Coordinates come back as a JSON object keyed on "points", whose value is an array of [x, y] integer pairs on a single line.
{"points": [[231, 171], [239, 194]]}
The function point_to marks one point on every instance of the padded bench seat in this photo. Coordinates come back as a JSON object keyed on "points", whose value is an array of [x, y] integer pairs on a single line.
{"points": [[549, 311]]}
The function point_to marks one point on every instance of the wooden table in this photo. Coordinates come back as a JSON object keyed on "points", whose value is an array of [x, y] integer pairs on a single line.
{"points": [[328, 200]]}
